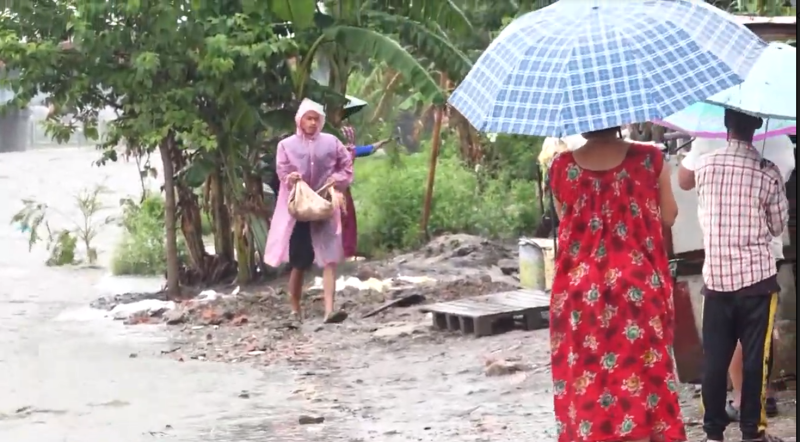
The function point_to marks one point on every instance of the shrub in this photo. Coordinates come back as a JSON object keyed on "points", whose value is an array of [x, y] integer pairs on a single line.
{"points": [[142, 248], [63, 243], [389, 198]]}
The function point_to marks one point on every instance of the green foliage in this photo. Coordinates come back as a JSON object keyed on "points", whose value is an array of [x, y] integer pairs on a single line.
{"points": [[62, 248], [768, 8], [389, 202], [62, 243], [142, 248], [90, 204]]}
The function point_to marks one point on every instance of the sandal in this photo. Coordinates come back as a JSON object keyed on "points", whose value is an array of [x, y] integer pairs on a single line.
{"points": [[733, 412], [295, 321], [336, 317], [771, 407]]}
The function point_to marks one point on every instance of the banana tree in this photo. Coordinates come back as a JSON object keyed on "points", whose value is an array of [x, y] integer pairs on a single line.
{"points": [[400, 34]]}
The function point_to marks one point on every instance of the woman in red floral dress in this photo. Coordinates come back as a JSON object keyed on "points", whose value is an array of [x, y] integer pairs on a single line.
{"points": [[611, 313]]}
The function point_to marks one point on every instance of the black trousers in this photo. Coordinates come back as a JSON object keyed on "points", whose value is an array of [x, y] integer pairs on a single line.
{"points": [[301, 249], [728, 319]]}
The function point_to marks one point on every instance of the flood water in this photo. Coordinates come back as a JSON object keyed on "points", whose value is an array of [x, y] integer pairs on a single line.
{"points": [[67, 374]]}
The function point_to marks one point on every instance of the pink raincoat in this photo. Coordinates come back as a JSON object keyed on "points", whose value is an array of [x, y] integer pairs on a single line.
{"points": [[316, 158]]}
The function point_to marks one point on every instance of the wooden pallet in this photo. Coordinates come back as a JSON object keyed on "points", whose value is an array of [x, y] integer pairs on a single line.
{"points": [[481, 315]]}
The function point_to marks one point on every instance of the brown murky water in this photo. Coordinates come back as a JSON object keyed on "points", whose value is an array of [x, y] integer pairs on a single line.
{"points": [[66, 373]]}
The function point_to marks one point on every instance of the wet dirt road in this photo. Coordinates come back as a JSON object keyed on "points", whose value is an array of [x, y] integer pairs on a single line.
{"points": [[68, 375]]}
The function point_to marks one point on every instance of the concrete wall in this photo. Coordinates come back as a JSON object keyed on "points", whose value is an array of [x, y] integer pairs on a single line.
{"points": [[14, 129], [15, 132]]}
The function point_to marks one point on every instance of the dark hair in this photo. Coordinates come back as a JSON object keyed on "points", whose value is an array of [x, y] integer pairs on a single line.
{"points": [[604, 132], [741, 123]]}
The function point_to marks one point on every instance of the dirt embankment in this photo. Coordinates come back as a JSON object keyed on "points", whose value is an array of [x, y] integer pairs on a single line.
{"points": [[233, 324]]}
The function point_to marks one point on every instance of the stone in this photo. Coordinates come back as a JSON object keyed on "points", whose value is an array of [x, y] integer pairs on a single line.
{"points": [[310, 420], [366, 272], [502, 367], [508, 266], [175, 317], [239, 320]]}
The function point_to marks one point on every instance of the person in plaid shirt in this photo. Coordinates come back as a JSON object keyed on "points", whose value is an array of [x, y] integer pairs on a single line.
{"points": [[779, 150], [742, 207]]}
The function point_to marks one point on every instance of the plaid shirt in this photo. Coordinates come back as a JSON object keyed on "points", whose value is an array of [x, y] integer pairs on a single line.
{"points": [[742, 205]]}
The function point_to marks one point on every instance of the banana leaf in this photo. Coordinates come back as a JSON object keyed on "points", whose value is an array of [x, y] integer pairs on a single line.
{"points": [[258, 233]]}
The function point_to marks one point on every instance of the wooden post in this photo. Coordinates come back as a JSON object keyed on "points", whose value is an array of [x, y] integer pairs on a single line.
{"points": [[437, 141], [435, 145]]}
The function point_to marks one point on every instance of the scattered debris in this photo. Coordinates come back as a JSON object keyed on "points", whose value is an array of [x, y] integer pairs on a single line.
{"points": [[404, 301], [147, 307], [503, 367], [399, 329]]}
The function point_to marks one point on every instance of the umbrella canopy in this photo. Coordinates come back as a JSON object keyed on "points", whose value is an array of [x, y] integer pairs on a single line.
{"points": [[579, 66], [770, 89], [706, 120], [353, 106]]}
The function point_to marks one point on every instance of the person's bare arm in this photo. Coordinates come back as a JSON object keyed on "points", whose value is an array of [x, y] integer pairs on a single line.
{"points": [[686, 175], [777, 205], [669, 207], [559, 208], [685, 178]]}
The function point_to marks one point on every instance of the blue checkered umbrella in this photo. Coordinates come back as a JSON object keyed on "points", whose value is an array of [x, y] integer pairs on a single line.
{"points": [[583, 65]]}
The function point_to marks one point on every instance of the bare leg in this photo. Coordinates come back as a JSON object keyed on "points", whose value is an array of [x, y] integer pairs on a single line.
{"points": [[329, 287], [296, 290], [332, 316], [735, 372]]}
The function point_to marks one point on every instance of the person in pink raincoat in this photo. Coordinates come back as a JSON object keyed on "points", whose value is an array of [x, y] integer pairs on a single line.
{"points": [[349, 221], [316, 158]]}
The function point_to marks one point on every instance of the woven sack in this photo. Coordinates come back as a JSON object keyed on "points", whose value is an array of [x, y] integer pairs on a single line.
{"points": [[307, 205]]}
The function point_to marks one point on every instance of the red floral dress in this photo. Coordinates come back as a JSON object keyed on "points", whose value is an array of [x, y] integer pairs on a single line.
{"points": [[611, 310]]}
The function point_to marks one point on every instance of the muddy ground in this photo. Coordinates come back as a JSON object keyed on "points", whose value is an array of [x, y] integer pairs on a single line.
{"points": [[391, 377]]}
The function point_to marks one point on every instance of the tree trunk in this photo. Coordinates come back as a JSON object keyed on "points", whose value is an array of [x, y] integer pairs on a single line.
{"points": [[244, 254], [173, 266], [191, 226], [469, 143], [223, 244]]}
